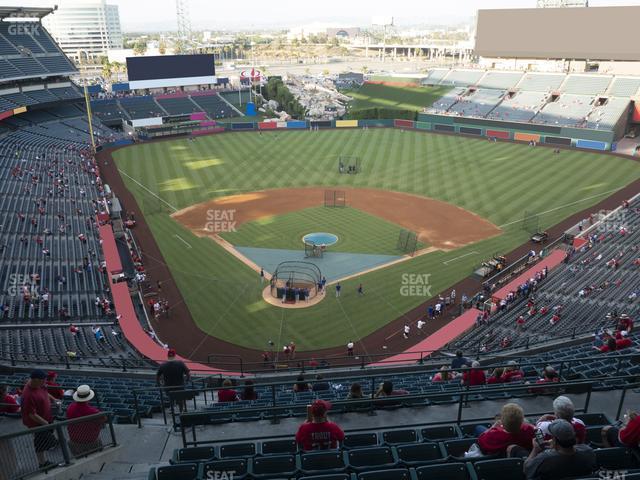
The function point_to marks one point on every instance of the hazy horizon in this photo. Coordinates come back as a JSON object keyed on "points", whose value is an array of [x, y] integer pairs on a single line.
{"points": [[158, 15]]}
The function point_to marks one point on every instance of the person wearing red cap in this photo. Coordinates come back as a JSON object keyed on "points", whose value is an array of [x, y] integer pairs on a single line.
{"points": [[318, 433], [173, 374]]}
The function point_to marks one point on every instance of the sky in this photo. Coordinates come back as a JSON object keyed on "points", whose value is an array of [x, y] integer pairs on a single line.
{"points": [[150, 15]]}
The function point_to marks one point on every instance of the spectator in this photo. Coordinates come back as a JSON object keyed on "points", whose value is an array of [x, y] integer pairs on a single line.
{"points": [[549, 375], [609, 346], [512, 373], [509, 429], [628, 435], [226, 393], [36, 412], [249, 392], [8, 403], [562, 459], [444, 375], [496, 376], [386, 390], [459, 361], [301, 385], [475, 376], [173, 374], [53, 387], [318, 433], [355, 392], [84, 437], [563, 409], [320, 385]]}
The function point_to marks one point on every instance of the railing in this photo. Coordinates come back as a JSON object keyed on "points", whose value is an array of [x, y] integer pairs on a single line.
{"points": [[40, 449], [185, 395], [464, 396]]}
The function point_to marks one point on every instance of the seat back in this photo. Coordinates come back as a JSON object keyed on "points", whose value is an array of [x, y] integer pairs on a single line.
{"points": [[238, 450], [314, 461], [184, 471], [511, 468], [279, 447], [195, 454], [394, 437], [356, 440], [239, 467], [419, 452], [444, 432], [370, 457], [616, 458], [274, 464], [444, 471], [391, 474]]}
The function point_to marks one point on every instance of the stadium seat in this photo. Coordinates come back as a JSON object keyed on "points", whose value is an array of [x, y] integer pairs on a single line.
{"points": [[419, 454], [446, 471], [437, 434], [615, 458], [499, 468], [239, 467], [193, 454], [238, 450], [335, 476], [278, 447], [313, 463], [274, 466], [394, 437], [373, 458], [394, 474], [185, 471], [356, 440]]}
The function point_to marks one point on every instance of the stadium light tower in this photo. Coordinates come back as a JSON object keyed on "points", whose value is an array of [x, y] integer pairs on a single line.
{"points": [[562, 3], [184, 22]]}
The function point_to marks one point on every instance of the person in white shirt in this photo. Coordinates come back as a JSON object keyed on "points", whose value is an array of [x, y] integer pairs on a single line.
{"points": [[406, 331], [420, 325]]}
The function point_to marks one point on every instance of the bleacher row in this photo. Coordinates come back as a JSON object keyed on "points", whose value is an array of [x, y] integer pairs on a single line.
{"points": [[135, 107], [588, 288], [29, 51], [9, 101], [591, 101]]}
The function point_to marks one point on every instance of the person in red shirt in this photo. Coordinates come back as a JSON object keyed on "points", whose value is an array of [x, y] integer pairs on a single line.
{"points": [[8, 403], [627, 436], [227, 394], [53, 387], [318, 433], [610, 346], [512, 373], [509, 430], [625, 323], [475, 376], [84, 437], [496, 376], [563, 409], [36, 412]]}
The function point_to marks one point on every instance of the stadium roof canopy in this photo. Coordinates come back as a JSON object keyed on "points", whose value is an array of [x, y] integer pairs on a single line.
{"points": [[25, 12]]}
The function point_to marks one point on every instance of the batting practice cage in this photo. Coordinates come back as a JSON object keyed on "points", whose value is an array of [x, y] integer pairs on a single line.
{"points": [[531, 222], [348, 164], [335, 198], [295, 281], [407, 242]]}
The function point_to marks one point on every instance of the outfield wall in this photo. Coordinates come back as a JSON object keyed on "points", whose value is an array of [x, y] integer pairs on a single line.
{"points": [[522, 132]]}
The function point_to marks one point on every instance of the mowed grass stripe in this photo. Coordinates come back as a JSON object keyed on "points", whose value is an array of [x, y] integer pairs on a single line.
{"points": [[497, 181]]}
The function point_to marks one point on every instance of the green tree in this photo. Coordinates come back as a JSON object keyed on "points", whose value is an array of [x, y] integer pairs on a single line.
{"points": [[162, 47], [140, 48]]}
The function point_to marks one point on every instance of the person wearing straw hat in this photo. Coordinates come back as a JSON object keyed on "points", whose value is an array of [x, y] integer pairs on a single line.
{"points": [[84, 437]]}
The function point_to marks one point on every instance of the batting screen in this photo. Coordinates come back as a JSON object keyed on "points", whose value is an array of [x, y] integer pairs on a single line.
{"points": [[593, 33]]}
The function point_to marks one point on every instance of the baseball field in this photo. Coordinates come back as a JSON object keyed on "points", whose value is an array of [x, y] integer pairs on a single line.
{"points": [[464, 197]]}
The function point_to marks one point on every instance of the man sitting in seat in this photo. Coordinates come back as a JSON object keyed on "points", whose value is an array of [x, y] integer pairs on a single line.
{"points": [[318, 433], [628, 435], [509, 429], [560, 457], [84, 437], [563, 409]]}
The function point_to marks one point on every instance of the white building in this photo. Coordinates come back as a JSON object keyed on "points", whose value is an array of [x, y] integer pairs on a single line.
{"points": [[85, 29]]}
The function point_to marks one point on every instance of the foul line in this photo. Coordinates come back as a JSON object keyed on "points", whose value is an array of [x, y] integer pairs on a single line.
{"points": [[182, 240], [460, 256], [139, 184], [566, 205]]}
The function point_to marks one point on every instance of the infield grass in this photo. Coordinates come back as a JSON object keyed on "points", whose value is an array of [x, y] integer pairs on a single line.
{"points": [[498, 181]]}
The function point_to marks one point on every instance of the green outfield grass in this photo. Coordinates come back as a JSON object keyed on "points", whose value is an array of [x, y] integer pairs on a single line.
{"points": [[372, 95], [498, 181], [357, 231]]}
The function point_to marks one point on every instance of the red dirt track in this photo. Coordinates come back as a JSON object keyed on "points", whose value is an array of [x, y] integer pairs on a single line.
{"points": [[181, 332]]}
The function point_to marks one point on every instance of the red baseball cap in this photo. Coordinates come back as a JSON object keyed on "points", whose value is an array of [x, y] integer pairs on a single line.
{"points": [[320, 407], [171, 352], [51, 374]]}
